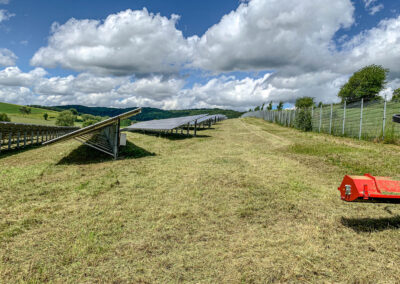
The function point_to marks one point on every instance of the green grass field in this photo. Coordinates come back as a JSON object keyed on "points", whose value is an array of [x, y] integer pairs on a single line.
{"points": [[245, 202], [35, 117]]}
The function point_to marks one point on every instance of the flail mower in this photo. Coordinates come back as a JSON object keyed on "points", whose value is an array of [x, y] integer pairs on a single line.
{"points": [[368, 188]]}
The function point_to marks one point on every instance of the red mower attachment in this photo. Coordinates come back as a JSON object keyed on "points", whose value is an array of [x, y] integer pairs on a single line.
{"points": [[368, 188]]}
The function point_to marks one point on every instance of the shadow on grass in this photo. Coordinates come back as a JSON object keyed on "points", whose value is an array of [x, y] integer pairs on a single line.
{"points": [[7, 153], [87, 155], [361, 225], [172, 136]]}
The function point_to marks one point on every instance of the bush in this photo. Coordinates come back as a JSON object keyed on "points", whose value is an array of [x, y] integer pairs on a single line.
{"points": [[126, 122], [304, 120], [65, 118], [45, 116], [25, 110], [89, 122], [4, 117], [74, 111]]}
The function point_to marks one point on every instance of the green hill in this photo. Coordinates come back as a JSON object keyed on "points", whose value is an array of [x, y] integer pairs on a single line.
{"points": [[35, 117]]}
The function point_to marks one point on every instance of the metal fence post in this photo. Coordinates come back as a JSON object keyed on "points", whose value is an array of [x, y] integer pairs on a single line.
{"points": [[384, 119], [361, 118], [344, 117], [285, 118], [294, 117], [312, 116], [330, 120], [320, 118]]}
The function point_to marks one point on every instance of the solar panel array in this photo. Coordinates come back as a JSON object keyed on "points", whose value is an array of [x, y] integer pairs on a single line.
{"points": [[104, 135], [184, 124], [164, 124]]}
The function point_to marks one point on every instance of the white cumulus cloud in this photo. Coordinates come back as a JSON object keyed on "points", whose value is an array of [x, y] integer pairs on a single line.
{"points": [[272, 34], [7, 57], [372, 6], [129, 42], [5, 15]]}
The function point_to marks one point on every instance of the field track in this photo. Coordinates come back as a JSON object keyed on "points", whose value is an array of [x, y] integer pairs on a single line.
{"points": [[247, 201]]}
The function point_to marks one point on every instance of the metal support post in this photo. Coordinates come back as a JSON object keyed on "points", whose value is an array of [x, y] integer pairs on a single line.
{"points": [[9, 140]]}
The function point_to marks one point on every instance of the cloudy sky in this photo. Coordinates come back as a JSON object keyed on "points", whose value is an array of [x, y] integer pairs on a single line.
{"points": [[180, 54]]}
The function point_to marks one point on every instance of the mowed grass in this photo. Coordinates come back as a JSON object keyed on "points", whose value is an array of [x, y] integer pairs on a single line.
{"points": [[248, 201], [35, 117]]}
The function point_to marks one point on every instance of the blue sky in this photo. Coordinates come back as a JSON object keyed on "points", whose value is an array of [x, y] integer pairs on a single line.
{"points": [[203, 59]]}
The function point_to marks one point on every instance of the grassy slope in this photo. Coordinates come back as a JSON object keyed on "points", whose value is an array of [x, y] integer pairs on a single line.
{"points": [[251, 202], [36, 116]]}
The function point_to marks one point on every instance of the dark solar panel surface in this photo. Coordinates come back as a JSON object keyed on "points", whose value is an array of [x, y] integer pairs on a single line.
{"points": [[164, 124]]}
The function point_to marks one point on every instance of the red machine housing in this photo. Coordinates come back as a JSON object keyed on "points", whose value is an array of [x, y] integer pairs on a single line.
{"points": [[368, 188]]}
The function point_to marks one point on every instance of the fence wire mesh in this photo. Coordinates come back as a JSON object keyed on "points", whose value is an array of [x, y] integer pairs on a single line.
{"points": [[363, 120]]}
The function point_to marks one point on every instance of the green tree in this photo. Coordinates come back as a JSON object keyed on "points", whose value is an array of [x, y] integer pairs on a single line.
{"points": [[74, 111], [280, 106], [65, 118], [365, 83], [256, 108], [269, 107], [396, 95], [89, 122], [25, 110], [304, 102], [4, 117], [45, 116], [262, 107]]}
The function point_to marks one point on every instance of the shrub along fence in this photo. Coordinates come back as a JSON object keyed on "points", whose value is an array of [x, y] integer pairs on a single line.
{"points": [[19, 135], [363, 120]]}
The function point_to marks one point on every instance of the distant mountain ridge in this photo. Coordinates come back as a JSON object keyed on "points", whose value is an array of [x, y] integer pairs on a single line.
{"points": [[147, 113]]}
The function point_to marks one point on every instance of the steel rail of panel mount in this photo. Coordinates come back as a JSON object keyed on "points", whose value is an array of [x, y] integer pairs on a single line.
{"points": [[100, 134]]}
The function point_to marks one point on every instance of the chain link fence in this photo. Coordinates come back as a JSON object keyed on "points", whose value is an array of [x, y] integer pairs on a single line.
{"points": [[363, 120]]}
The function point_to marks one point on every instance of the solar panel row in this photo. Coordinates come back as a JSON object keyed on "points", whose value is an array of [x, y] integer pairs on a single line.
{"points": [[17, 135], [164, 124], [175, 124], [103, 136], [210, 119]]}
